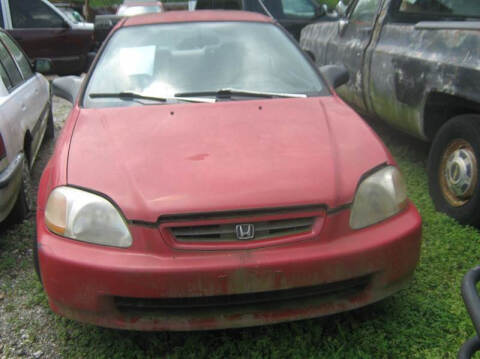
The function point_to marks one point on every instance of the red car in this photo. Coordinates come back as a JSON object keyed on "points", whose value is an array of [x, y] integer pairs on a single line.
{"points": [[208, 177]]}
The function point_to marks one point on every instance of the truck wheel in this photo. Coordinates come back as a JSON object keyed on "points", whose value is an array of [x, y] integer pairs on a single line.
{"points": [[50, 131], [453, 169], [24, 202]]}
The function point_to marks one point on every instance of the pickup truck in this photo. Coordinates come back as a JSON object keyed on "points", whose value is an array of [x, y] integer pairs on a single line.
{"points": [[416, 65], [43, 31]]}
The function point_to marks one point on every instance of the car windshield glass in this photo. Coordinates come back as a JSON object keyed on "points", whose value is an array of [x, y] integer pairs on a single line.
{"points": [[166, 59], [138, 10], [462, 8]]}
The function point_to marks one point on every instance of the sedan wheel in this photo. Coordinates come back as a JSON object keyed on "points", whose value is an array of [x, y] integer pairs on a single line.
{"points": [[50, 131], [25, 201]]}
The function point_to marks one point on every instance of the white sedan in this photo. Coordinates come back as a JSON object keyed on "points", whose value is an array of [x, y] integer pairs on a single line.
{"points": [[25, 119]]}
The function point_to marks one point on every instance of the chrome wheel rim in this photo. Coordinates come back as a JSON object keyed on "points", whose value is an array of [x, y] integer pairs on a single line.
{"points": [[458, 172]]}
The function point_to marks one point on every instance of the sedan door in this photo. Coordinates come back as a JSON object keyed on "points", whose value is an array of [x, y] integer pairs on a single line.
{"points": [[35, 97], [28, 101], [11, 104]]}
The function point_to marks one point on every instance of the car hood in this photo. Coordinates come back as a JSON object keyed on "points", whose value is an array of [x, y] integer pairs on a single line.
{"points": [[190, 158]]}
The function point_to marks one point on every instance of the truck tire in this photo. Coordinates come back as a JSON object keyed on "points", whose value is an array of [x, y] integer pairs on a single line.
{"points": [[50, 131], [24, 203], [454, 169]]}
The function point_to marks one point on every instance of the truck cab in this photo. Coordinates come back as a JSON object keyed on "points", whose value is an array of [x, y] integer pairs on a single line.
{"points": [[44, 31], [415, 64]]}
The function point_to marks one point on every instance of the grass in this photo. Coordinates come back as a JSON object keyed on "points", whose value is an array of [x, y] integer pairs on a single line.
{"points": [[427, 320]]}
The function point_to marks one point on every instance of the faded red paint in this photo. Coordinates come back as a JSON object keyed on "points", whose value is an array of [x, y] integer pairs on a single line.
{"points": [[292, 152], [91, 275], [226, 156], [194, 16]]}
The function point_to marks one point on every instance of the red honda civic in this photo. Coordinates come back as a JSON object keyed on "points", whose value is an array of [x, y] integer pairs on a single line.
{"points": [[208, 177]]}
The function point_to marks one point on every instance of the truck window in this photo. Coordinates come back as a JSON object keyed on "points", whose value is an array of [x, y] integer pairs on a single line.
{"points": [[18, 55], [10, 67], [298, 8], [33, 14], [364, 12], [218, 4], [438, 9], [274, 7]]}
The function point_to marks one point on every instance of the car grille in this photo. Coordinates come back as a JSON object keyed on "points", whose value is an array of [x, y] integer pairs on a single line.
{"points": [[336, 290], [227, 232]]}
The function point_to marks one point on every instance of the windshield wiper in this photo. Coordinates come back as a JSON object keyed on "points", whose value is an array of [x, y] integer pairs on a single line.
{"points": [[229, 92], [131, 95]]}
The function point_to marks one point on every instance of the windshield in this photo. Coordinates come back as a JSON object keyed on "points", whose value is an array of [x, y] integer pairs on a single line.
{"points": [[138, 10], [163, 60]]}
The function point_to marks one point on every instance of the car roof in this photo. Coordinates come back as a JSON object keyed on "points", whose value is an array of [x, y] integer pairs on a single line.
{"points": [[195, 16]]}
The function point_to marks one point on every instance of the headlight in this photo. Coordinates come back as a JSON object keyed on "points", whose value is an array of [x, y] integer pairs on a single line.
{"points": [[379, 196], [86, 217]]}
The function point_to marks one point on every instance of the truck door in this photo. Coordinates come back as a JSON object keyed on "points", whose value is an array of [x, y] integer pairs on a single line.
{"points": [[348, 46], [44, 33]]}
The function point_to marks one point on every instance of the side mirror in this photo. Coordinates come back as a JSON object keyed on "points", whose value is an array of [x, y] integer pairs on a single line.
{"points": [[67, 87], [336, 75], [44, 66], [341, 9]]}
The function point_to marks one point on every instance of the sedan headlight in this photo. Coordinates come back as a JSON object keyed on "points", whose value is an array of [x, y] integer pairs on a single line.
{"points": [[86, 217], [379, 196]]}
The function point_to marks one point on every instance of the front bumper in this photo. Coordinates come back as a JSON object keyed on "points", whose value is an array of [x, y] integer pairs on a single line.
{"points": [[10, 184], [154, 287]]}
